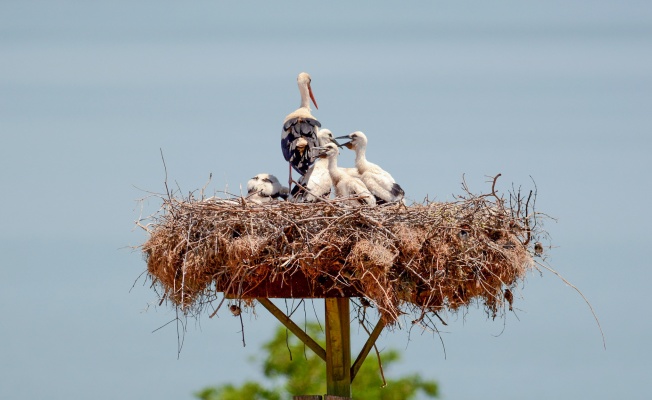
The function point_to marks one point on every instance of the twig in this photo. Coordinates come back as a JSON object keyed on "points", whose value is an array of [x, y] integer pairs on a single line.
{"points": [[604, 343], [165, 168]]}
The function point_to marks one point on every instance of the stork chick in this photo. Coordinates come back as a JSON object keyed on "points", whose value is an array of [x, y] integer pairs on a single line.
{"points": [[345, 185], [317, 180], [379, 182], [264, 188]]}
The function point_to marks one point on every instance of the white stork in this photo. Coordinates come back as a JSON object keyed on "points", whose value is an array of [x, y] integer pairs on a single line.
{"points": [[378, 181], [317, 180], [345, 185], [325, 136], [300, 129], [264, 188]]}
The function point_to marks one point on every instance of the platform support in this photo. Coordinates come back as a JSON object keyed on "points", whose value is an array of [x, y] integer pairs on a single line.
{"points": [[338, 347], [366, 348], [339, 371], [294, 328]]}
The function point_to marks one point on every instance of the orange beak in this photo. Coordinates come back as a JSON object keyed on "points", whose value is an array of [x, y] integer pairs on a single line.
{"points": [[312, 97]]}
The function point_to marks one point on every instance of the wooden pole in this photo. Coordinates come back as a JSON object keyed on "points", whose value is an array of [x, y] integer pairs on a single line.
{"points": [[366, 348], [294, 328], [338, 347]]}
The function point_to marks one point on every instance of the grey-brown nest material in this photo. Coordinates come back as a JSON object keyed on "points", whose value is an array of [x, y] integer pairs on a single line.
{"points": [[417, 259]]}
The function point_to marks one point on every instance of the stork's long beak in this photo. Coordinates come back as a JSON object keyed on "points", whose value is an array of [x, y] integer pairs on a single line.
{"points": [[319, 151], [312, 97], [347, 144], [336, 143]]}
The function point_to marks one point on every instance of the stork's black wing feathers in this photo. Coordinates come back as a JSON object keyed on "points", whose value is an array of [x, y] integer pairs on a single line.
{"points": [[306, 128], [294, 129], [296, 191], [397, 190], [354, 193]]}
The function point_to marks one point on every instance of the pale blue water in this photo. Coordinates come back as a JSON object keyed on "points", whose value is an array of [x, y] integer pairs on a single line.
{"points": [[89, 93]]}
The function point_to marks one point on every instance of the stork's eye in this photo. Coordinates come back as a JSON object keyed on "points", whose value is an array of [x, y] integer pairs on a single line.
{"points": [[255, 178], [267, 180]]}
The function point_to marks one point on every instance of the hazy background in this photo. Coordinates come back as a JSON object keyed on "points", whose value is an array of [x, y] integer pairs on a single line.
{"points": [[91, 91]]}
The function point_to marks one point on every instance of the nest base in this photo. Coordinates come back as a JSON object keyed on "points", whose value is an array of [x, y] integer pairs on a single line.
{"points": [[295, 286]]}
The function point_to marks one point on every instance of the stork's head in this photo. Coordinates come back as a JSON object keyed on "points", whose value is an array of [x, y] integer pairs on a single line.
{"points": [[325, 136], [356, 139], [329, 150], [303, 80]]}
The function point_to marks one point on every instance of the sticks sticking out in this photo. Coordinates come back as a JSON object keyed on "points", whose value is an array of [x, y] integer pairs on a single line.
{"points": [[423, 259]]}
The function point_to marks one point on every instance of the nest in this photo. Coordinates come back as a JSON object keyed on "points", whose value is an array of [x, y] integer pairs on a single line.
{"points": [[420, 259]]}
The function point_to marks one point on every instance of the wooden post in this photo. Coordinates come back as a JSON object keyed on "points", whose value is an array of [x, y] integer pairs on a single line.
{"points": [[338, 347], [294, 328], [366, 348]]}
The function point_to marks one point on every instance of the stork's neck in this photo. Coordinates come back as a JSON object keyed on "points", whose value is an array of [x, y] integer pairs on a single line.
{"points": [[360, 159], [305, 96], [321, 163], [334, 172]]}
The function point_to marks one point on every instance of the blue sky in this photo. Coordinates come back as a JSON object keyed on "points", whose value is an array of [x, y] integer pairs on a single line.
{"points": [[90, 93]]}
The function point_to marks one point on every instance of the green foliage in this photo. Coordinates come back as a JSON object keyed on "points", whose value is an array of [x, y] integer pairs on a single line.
{"points": [[248, 391], [367, 384], [295, 370], [302, 371]]}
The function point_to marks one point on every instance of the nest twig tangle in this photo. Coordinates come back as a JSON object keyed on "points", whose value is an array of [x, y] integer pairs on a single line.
{"points": [[418, 259]]}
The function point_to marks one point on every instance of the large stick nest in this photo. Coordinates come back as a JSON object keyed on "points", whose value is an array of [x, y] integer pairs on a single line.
{"points": [[422, 258]]}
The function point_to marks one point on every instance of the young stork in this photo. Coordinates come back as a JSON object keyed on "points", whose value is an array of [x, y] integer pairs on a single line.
{"points": [[264, 188], [378, 181], [300, 129], [345, 184], [317, 180]]}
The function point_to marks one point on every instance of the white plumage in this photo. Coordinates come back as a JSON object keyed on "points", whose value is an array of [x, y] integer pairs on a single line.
{"points": [[378, 181], [345, 185], [317, 180], [264, 188], [353, 172]]}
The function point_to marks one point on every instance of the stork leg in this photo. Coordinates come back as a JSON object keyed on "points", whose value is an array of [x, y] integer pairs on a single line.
{"points": [[290, 177]]}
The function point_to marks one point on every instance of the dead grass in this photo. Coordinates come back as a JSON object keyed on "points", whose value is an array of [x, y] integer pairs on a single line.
{"points": [[419, 259]]}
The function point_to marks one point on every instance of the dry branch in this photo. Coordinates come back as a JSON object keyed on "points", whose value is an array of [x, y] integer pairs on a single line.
{"points": [[419, 259]]}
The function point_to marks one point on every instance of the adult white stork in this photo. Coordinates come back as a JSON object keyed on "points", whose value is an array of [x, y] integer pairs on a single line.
{"points": [[300, 129], [378, 181], [345, 185], [264, 188]]}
